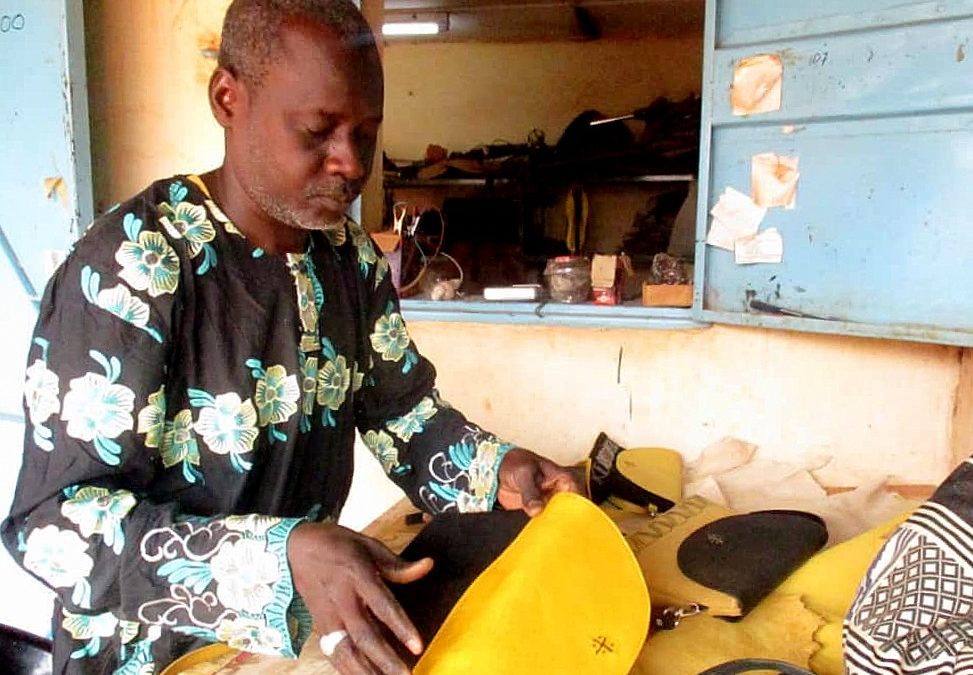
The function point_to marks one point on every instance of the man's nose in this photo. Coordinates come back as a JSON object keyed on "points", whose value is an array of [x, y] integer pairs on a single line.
{"points": [[345, 157]]}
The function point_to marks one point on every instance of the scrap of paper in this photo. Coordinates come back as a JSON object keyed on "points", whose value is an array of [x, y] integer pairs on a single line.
{"points": [[735, 216], [56, 188], [774, 180], [757, 85], [765, 247]]}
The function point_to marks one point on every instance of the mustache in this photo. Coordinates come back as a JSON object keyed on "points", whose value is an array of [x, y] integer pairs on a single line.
{"points": [[342, 191]]}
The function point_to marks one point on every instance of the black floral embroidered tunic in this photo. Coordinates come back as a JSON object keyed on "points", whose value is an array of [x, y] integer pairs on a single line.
{"points": [[190, 400]]}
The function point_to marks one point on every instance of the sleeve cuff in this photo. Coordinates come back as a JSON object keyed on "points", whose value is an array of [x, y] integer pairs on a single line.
{"points": [[286, 619], [502, 451]]}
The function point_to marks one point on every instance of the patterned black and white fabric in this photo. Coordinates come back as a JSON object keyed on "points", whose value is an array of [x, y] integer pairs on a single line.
{"points": [[914, 610]]}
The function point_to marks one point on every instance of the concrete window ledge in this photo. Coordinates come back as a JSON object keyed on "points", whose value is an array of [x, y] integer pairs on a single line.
{"points": [[550, 314]]}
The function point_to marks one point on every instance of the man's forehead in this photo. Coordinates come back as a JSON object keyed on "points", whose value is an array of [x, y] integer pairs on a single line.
{"points": [[302, 39], [310, 53]]}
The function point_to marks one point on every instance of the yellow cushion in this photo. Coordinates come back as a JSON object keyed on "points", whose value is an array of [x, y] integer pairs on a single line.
{"points": [[567, 596]]}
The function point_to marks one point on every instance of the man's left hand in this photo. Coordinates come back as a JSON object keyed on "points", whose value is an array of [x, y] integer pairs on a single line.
{"points": [[528, 481]]}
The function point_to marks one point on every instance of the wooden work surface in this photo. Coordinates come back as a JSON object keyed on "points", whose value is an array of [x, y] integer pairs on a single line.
{"points": [[390, 528]]}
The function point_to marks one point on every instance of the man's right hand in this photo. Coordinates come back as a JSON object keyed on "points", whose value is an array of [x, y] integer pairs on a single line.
{"points": [[339, 574]]}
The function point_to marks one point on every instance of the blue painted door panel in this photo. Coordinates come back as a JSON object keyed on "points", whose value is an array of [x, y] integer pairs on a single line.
{"points": [[878, 106], [43, 135], [43, 131], [741, 22]]}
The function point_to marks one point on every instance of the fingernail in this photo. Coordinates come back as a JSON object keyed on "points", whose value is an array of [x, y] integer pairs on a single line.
{"points": [[415, 646]]}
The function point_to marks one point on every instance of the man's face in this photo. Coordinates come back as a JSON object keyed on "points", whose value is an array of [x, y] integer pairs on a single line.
{"points": [[308, 138]]}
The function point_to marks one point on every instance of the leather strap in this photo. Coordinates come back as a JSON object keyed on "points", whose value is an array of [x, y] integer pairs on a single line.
{"points": [[750, 665]]}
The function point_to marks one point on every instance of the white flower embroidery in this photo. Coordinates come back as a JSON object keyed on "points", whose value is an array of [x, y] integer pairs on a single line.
{"points": [[41, 392], [85, 627], [467, 503], [229, 427], [97, 511], [152, 419], [244, 571], [96, 407], [149, 263], [120, 302], [414, 421], [276, 396], [383, 447], [250, 636], [482, 471], [58, 556]]}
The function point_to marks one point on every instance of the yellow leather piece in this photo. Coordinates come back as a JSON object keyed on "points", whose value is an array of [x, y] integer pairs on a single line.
{"points": [[827, 584], [658, 470], [567, 596], [656, 544], [780, 627]]}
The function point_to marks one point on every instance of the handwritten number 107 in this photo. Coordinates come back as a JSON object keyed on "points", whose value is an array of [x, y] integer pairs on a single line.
{"points": [[9, 23]]}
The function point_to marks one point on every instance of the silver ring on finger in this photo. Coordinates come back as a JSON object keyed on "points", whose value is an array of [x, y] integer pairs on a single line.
{"points": [[329, 642]]}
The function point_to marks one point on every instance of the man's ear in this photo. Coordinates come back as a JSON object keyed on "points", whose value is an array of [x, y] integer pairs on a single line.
{"points": [[227, 96]]}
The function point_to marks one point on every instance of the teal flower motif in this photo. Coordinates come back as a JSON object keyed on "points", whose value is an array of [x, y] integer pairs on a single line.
{"points": [[118, 301], [91, 628], [482, 470], [98, 511], [152, 419], [276, 396], [187, 221], [190, 222], [41, 392], [337, 234], [366, 250], [179, 446], [309, 388], [309, 384], [334, 379], [252, 524], [381, 270], [227, 425], [467, 503], [141, 662], [383, 447], [413, 422], [149, 263], [60, 558], [390, 338], [96, 409], [249, 635]]}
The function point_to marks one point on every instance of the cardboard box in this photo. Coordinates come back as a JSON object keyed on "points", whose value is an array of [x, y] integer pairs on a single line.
{"points": [[606, 280], [660, 295]]}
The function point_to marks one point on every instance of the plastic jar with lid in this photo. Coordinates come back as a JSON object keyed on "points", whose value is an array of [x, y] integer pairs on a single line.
{"points": [[568, 278]]}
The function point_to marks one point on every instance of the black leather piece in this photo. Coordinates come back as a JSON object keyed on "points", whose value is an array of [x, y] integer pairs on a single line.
{"points": [[605, 479], [602, 458], [750, 665], [24, 654], [747, 556], [462, 546]]}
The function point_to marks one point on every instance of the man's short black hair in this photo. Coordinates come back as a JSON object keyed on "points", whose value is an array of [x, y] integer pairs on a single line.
{"points": [[252, 29]]}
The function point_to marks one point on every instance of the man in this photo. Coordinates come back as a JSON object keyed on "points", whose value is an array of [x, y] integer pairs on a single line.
{"points": [[913, 612], [199, 367]]}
